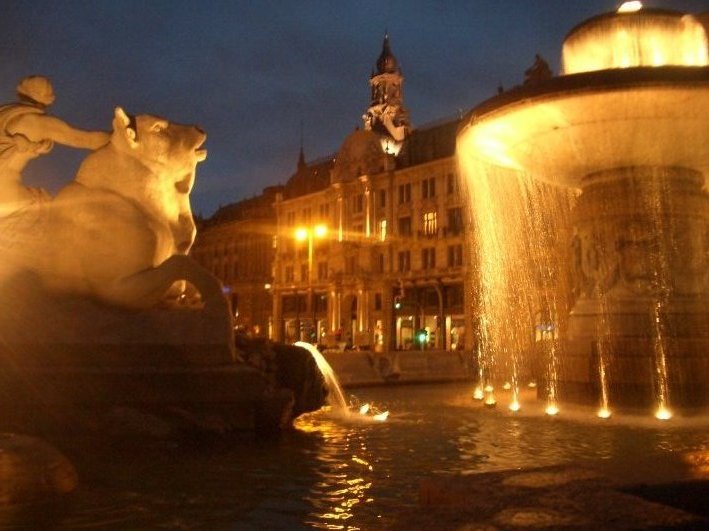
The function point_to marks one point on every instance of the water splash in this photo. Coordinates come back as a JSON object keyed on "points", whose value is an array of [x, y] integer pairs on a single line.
{"points": [[331, 380], [661, 384], [653, 196], [367, 410], [603, 351]]}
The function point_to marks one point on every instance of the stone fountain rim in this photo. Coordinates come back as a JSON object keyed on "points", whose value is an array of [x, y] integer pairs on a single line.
{"points": [[588, 82]]}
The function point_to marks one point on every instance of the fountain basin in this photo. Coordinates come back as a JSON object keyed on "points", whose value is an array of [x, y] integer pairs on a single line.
{"points": [[568, 127]]}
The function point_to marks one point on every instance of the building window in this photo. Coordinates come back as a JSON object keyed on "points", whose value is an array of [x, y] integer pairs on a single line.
{"points": [[382, 198], [322, 270], [455, 255], [324, 211], [454, 296], [428, 258], [303, 272], [290, 218], [358, 204], [455, 220], [382, 230], [428, 188], [452, 186], [350, 265], [320, 303], [430, 223], [377, 301], [404, 193], [404, 261], [293, 304], [381, 263], [405, 226], [307, 215], [288, 274]]}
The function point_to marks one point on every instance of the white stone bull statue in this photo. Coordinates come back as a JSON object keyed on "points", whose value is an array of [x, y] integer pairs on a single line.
{"points": [[120, 232]]}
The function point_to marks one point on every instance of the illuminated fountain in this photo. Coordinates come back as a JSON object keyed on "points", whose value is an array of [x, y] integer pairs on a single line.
{"points": [[589, 199]]}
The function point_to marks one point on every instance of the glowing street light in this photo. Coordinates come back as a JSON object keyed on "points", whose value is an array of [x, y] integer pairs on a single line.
{"points": [[311, 233]]}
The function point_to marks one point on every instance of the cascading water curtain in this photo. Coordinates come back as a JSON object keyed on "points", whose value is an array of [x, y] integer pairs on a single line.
{"points": [[519, 235]]}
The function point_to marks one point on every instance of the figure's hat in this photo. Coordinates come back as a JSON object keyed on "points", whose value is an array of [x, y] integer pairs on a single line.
{"points": [[36, 88]]}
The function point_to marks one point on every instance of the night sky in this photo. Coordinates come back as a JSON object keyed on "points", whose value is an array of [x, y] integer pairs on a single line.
{"points": [[249, 73]]}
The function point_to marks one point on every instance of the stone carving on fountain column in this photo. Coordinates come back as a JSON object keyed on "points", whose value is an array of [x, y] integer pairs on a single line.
{"points": [[690, 258], [636, 246], [595, 270]]}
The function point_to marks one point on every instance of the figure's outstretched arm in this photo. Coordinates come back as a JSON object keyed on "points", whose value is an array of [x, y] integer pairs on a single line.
{"points": [[38, 127]]}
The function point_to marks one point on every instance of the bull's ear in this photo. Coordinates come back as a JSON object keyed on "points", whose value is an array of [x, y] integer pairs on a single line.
{"points": [[122, 126]]}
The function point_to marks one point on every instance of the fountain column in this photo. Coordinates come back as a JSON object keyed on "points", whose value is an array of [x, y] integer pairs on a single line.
{"points": [[641, 274]]}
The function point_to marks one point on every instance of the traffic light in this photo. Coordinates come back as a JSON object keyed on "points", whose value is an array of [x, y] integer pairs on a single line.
{"points": [[422, 336], [398, 295]]}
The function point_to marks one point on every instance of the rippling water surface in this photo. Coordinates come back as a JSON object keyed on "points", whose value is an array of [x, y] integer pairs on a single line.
{"points": [[345, 473]]}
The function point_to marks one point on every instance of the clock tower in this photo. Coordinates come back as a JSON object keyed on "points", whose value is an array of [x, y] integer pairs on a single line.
{"points": [[386, 114]]}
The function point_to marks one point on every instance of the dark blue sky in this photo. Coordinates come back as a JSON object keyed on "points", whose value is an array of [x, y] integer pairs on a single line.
{"points": [[248, 72]]}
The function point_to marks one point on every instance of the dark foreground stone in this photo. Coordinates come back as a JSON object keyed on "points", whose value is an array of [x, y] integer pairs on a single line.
{"points": [[31, 471], [560, 497], [70, 365]]}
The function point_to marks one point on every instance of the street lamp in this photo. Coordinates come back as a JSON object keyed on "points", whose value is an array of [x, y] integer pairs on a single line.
{"points": [[309, 234]]}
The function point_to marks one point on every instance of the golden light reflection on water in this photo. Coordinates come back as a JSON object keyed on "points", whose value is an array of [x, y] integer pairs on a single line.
{"points": [[698, 462], [362, 467], [346, 483]]}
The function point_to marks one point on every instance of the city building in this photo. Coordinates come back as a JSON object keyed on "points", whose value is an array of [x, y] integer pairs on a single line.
{"points": [[237, 245], [372, 254]]}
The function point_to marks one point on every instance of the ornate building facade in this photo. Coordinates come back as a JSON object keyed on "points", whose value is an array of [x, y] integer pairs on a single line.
{"points": [[365, 249], [374, 256]]}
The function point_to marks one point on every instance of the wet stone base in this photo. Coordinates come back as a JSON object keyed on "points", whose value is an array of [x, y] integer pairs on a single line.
{"points": [[558, 497], [630, 398]]}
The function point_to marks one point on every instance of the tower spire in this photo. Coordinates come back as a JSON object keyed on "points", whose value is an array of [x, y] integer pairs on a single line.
{"points": [[301, 155], [386, 113]]}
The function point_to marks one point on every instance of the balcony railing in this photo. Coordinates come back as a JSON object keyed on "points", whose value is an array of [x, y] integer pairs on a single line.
{"points": [[428, 233], [452, 231]]}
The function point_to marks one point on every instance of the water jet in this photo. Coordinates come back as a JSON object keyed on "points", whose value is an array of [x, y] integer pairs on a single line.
{"points": [[336, 396]]}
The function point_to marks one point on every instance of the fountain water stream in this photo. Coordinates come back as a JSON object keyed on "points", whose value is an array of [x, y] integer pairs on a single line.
{"points": [[337, 397], [337, 400]]}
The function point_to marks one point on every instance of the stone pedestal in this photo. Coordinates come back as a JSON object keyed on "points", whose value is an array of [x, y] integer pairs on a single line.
{"points": [[67, 363]]}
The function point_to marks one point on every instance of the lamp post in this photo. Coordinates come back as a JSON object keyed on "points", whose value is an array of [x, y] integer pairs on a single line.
{"points": [[309, 234]]}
